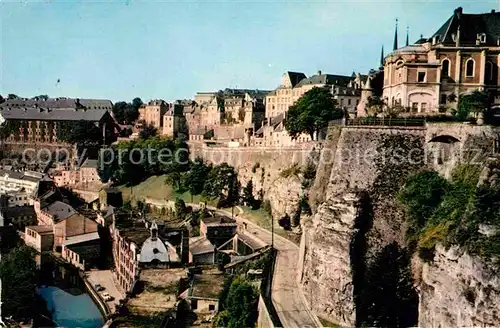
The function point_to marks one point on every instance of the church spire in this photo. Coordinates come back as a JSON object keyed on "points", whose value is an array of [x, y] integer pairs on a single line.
{"points": [[382, 57], [396, 36], [407, 35]]}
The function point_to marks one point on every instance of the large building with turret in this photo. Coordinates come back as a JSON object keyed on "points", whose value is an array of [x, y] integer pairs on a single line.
{"points": [[429, 76]]}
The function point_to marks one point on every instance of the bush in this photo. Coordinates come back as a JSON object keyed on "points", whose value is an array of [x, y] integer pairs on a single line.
{"points": [[285, 223], [255, 167], [294, 169]]}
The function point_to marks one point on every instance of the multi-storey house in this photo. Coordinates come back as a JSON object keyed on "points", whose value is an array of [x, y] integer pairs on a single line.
{"points": [[152, 113], [462, 56]]}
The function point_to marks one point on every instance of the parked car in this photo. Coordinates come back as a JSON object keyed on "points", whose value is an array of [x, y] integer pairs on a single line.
{"points": [[98, 287], [107, 297]]}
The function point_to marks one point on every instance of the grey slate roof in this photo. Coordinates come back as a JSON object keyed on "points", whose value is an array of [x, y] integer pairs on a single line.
{"points": [[59, 103], [341, 80], [22, 175], [295, 77], [60, 210], [470, 26], [58, 114], [200, 245]]}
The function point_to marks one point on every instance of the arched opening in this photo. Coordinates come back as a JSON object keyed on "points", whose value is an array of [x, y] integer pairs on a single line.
{"points": [[444, 139], [445, 68], [469, 67], [488, 71]]}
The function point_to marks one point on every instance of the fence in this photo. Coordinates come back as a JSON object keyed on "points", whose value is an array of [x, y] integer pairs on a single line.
{"points": [[266, 287], [387, 121]]}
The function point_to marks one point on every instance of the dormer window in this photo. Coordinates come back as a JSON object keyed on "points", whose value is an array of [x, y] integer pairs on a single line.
{"points": [[436, 39], [481, 37]]}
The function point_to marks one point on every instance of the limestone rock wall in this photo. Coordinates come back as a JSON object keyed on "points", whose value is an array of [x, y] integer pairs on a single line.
{"points": [[458, 290], [263, 166], [362, 161], [355, 167], [327, 279]]}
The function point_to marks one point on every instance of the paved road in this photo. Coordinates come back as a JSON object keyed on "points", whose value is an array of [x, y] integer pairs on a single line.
{"points": [[286, 295], [105, 279]]}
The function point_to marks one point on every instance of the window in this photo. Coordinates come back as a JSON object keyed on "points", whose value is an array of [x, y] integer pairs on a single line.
{"points": [[211, 307], [488, 71], [445, 68], [481, 37], [421, 77], [349, 101], [341, 102], [423, 107], [469, 67], [414, 106], [443, 99]]}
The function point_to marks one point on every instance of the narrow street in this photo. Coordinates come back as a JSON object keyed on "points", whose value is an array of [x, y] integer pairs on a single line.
{"points": [[287, 297]]}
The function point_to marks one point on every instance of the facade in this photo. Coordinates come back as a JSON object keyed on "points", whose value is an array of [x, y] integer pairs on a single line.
{"points": [[136, 246], [293, 85], [218, 229], [152, 113], [23, 182], [201, 251], [174, 122], [462, 56], [346, 90], [39, 237], [47, 125], [86, 174], [18, 216], [82, 250]]}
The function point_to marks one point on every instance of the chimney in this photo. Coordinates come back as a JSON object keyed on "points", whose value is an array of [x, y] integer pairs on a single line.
{"points": [[319, 72], [492, 11], [459, 11]]}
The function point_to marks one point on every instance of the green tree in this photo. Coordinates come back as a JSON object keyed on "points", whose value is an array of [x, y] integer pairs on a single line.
{"points": [[312, 112], [118, 110], [82, 132], [220, 180], [148, 132], [241, 305], [421, 194], [474, 103], [41, 97], [194, 179], [180, 209], [248, 194], [18, 275], [174, 179], [11, 96]]}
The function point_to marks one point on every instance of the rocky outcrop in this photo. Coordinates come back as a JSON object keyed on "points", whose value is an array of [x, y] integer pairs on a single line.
{"points": [[458, 290], [376, 160], [328, 278], [264, 166]]}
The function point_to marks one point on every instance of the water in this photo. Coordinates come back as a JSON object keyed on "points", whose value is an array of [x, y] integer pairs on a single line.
{"points": [[70, 311]]}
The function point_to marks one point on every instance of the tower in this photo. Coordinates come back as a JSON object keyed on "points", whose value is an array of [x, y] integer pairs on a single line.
{"points": [[407, 35], [382, 57], [366, 94], [395, 46]]}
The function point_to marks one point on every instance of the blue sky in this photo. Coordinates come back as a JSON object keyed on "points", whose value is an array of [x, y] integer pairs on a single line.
{"points": [[171, 49]]}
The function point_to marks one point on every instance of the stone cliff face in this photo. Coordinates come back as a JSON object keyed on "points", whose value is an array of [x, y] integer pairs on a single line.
{"points": [[328, 278], [458, 290], [356, 165], [377, 161], [264, 167]]}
